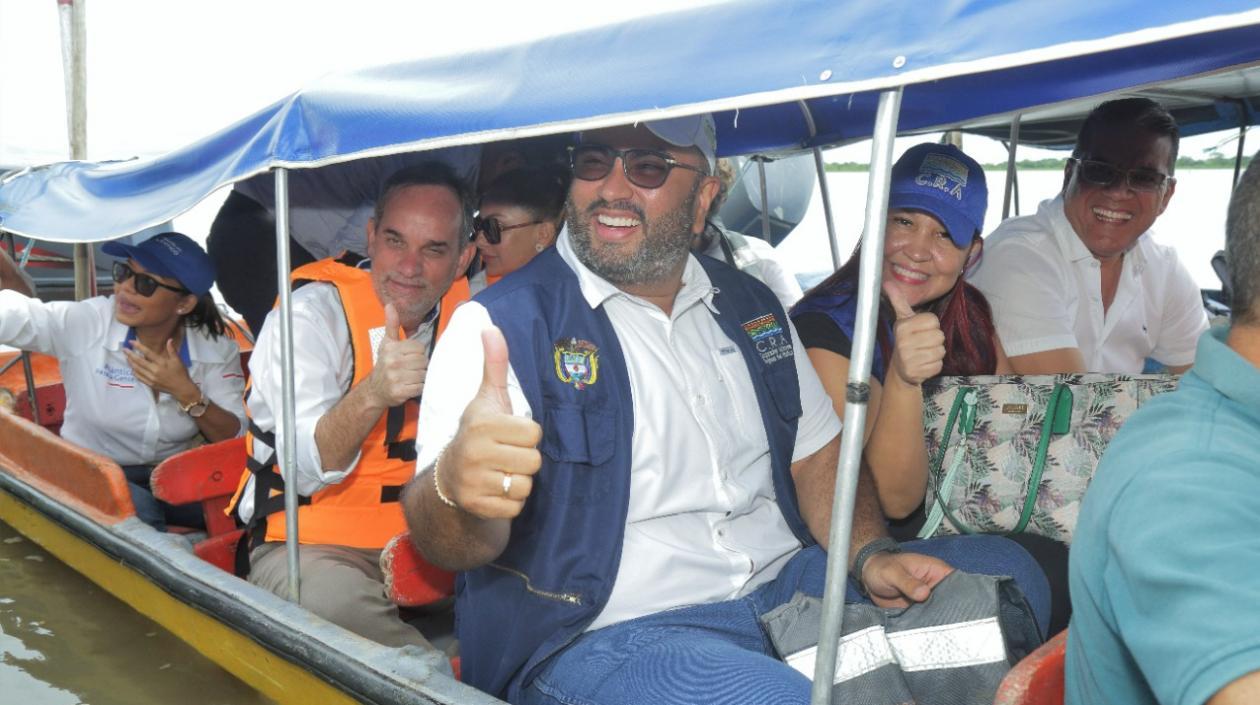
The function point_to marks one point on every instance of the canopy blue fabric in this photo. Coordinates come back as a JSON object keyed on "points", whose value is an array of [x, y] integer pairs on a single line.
{"points": [[751, 62]]}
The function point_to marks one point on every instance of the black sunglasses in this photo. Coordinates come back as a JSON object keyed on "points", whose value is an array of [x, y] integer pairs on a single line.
{"points": [[145, 285], [492, 231], [645, 168], [1104, 174]]}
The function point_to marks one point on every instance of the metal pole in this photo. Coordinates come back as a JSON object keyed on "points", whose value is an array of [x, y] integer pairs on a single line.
{"points": [[1010, 166], [31, 398], [857, 391], [832, 238], [821, 168], [72, 14], [27, 370], [286, 436], [765, 200], [1242, 140]]}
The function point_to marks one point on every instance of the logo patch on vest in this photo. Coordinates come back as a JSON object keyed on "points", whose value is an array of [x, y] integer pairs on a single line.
{"points": [[577, 362], [768, 337]]}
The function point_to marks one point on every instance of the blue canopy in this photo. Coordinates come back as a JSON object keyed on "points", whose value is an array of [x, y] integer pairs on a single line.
{"points": [[754, 63]]}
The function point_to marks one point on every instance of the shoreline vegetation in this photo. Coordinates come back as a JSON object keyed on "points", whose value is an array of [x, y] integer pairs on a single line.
{"points": [[1212, 161]]}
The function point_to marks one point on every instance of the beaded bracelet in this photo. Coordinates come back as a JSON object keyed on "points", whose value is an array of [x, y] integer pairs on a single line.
{"points": [[880, 545], [437, 485]]}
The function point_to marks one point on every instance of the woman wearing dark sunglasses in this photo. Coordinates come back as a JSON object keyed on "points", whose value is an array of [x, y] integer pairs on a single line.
{"points": [[519, 216], [147, 370]]}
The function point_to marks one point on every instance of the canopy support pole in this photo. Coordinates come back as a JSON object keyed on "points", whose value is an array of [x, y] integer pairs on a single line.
{"points": [[74, 70], [856, 394], [28, 372], [832, 239], [286, 436], [1011, 147], [1242, 140], [765, 199]]}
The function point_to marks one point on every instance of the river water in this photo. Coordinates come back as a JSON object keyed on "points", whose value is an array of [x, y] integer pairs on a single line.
{"points": [[65, 641]]}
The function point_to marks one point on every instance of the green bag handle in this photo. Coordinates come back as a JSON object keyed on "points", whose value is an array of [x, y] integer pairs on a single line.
{"points": [[963, 411], [1057, 421]]}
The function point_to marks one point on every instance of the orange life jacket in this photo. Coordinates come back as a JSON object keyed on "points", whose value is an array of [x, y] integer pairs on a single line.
{"points": [[363, 509]]}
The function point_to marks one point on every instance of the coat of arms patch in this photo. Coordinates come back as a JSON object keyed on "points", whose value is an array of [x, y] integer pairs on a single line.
{"points": [[577, 362]]}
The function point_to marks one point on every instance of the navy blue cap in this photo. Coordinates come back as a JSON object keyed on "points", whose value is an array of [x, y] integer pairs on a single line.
{"points": [[941, 181], [173, 255]]}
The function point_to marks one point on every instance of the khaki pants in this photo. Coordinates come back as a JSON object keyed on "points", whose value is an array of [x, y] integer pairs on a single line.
{"points": [[341, 584]]}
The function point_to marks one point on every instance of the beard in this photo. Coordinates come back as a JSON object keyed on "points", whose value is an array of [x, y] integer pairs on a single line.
{"points": [[664, 247]]}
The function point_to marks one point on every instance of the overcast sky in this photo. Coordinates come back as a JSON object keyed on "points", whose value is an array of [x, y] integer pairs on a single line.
{"points": [[163, 73]]}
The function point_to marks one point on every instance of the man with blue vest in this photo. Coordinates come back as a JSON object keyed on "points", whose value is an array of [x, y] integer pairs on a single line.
{"points": [[627, 453]]}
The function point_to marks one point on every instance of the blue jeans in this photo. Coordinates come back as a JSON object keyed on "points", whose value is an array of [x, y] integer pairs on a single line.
{"points": [[718, 653]]}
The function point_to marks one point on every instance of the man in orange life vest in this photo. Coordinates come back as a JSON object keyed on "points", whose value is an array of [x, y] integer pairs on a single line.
{"points": [[362, 334]]}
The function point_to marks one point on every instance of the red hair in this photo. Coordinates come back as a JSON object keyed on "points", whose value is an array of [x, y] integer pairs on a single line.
{"points": [[967, 322]]}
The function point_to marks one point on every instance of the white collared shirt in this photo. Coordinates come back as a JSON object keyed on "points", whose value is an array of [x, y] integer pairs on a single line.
{"points": [[323, 368], [703, 523], [1045, 288], [107, 409]]}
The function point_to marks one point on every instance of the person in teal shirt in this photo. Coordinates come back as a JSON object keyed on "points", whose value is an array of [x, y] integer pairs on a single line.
{"points": [[1165, 568]]}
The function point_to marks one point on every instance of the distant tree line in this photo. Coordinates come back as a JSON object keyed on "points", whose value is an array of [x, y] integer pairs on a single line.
{"points": [[1214, 160]]}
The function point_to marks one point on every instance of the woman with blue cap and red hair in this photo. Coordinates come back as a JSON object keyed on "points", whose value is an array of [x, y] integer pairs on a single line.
{"points": [[147, 370], [931, 321]]}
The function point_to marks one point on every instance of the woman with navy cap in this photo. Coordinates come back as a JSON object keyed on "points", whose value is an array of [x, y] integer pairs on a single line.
{"points": [[931, 322], [146, 371]]}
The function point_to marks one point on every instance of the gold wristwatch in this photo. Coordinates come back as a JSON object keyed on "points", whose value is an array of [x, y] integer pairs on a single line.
{"points": [[197, 408]]}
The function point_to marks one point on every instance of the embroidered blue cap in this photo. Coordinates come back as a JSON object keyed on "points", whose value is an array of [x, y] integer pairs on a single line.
{"points": [[942, 181], [697, 131], [172, 255]]}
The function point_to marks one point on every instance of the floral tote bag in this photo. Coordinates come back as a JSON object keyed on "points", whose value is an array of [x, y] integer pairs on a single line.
{"points": [[1015, 453]]}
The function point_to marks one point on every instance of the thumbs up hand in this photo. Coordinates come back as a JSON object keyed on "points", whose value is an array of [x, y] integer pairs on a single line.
{"points": [[398, 374], [919, 343], [488, 468]]}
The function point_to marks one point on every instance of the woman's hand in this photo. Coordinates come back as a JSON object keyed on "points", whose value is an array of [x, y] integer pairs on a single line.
{"points": [[163, 371], [919, 343]]}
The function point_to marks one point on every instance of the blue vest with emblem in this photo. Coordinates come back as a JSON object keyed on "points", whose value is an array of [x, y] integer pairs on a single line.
{"points": [[557, 571]]}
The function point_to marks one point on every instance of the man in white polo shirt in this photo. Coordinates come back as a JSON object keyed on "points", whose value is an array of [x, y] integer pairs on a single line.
{"points": [[1081, 286], [628, 454]]}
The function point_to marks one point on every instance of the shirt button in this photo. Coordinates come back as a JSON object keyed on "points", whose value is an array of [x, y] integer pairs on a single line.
{"points": [[700, 400]]}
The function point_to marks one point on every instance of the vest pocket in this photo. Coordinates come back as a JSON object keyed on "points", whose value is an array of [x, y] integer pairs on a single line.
{"points": [[784, 389], [577, 440]]}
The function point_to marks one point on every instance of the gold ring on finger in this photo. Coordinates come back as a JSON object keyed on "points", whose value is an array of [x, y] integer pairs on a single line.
{"points": [[507, 484]]}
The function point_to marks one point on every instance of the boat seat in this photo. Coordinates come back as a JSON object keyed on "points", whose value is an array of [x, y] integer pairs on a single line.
{"points": [[50, 395], [207, 475], [89, 482], [1038, 678], [410, 580]]}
